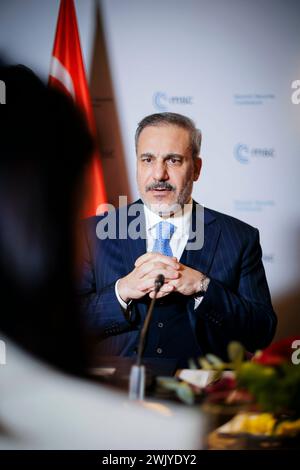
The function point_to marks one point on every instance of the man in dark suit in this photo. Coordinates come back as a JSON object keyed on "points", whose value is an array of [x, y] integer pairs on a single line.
{"points": [[215, 287]]}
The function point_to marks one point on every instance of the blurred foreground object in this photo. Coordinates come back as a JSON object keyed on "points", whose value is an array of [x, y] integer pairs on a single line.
{"points": [[270, 380], [45, 147], [255, 431], [260, 424], [43, 409], [273, 379]]}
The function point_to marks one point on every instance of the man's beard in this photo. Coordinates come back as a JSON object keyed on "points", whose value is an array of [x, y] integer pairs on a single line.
{"points": [[167, 210]]}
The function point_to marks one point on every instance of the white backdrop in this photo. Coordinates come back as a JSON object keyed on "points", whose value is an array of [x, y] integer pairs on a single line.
{"points": [[229, 66]]}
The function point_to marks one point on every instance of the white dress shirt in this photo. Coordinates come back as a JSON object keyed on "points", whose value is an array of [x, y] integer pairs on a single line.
{"points": [[182, 222]]}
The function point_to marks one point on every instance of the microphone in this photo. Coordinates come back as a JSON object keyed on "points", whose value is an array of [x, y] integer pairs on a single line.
{"points": [[159, 282], [137, 374]]}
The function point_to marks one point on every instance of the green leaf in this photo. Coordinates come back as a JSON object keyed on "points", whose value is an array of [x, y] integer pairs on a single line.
{"points": [[185, 393], [236, 353], [215, 361], [192, 364], [182, 390], [204, 364], [168, 383]]}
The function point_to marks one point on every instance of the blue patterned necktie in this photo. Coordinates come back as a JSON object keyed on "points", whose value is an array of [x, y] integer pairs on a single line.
{"points": [[164, 232]]}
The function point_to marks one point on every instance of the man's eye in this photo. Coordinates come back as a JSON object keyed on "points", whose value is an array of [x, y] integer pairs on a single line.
{"points": [[146, 159], [173, 161]]}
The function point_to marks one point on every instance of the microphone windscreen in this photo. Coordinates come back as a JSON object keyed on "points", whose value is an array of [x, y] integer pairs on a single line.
{"points": [[159, 281]]}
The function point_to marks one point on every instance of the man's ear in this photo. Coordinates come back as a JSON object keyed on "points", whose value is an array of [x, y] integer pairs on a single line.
{"points": [[197, 167]]}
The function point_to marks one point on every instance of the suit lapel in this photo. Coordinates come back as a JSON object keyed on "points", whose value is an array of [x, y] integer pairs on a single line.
{"points": [[134, 245], [202, 259]]}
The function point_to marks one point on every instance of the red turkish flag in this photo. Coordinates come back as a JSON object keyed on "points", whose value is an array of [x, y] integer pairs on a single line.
{"points": [[68, 74]]}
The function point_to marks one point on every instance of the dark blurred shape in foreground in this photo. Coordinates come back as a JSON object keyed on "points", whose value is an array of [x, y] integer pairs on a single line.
{"points": [[44, 147]]}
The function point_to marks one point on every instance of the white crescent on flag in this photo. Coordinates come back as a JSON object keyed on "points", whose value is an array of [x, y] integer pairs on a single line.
{"points": [[60, 73]]}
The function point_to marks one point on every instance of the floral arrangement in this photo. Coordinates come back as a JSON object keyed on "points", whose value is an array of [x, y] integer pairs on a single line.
{"points": [[268, 385], [270, 380], [273, 377]]}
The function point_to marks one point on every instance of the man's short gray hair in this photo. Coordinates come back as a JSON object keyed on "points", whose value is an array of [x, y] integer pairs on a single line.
{"points": [[173, 119]]}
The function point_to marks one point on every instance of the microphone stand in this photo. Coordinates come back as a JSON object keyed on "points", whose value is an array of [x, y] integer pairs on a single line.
{"points": [[137, 373]]}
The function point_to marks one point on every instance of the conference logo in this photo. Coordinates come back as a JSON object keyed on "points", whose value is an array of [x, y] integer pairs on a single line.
{"points": [[295, 97], [2, 353], [162, 101], [245, 154], [2, 92]]}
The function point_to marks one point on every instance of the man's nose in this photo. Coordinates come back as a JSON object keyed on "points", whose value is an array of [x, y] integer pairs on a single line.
{"points": [[160, 172]]}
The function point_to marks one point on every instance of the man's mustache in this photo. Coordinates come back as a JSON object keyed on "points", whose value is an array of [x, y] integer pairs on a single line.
{"points": [[160, 185]]}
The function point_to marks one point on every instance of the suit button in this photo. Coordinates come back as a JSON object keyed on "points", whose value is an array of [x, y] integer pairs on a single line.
{"points": [[159, 350], [160, 324]]}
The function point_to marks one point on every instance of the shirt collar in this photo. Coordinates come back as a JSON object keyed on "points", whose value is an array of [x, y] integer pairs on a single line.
{"points": [[181, 219]]}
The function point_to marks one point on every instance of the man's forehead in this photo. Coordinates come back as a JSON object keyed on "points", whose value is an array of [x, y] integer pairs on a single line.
{"points": [[167, 138], [164, 128]]}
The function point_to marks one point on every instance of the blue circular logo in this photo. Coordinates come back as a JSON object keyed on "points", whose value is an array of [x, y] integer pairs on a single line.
{"points": [[241, 153], [160, 101]]}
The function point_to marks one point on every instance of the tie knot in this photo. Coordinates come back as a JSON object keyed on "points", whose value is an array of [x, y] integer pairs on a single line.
{"points": [[164, 230]]}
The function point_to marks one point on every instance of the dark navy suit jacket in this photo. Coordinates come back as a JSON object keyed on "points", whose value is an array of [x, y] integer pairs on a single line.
{"points": [[236, 306]]}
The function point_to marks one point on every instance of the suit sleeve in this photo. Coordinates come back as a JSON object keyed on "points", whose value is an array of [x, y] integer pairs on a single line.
{"points": [[245, 314], [100, 307]]}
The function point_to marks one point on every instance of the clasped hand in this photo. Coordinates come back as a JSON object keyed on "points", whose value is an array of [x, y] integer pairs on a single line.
{"points": [[140, 281]]}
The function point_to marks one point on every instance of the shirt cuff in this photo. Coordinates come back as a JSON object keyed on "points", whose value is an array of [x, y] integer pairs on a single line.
{"points": [[123, 304], [198, 299]]}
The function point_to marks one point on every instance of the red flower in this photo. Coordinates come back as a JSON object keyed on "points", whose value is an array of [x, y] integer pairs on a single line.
{"points": [[226, 384], [277, 353]]}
